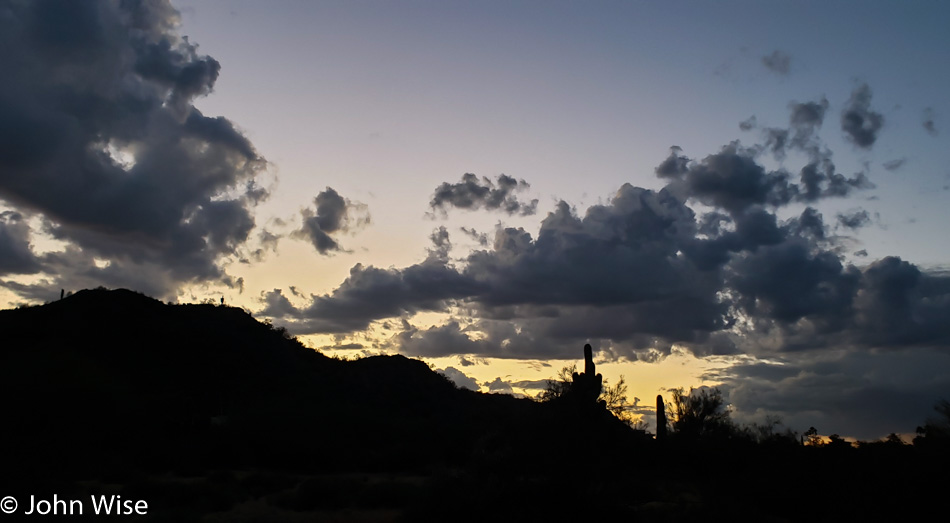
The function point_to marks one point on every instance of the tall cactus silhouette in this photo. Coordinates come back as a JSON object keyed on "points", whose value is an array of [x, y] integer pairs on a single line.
{"points": [[660, 418], [588, 385]]}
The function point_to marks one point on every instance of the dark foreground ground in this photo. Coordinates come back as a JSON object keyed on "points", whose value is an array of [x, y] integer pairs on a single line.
{"points": [[208, 415]]}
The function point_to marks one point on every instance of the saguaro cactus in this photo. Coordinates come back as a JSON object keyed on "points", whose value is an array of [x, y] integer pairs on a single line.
{"points": [[660, 418], [588, 384], [588, 360]]}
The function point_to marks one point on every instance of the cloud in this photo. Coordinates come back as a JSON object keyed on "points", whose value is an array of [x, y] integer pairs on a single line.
{"points": [[805, 119], [748, 124], [459, 378], [890, 304], [443, 340], [74, 268], [787, 282], [862, 394], [675, 164], [331, 214], [733, 180], [441, 244], [479, 237], [642, 273], [854, 219], [473, 193], [894, 165], [531, 384], [929, 121], [615, 272], [103, 143], [498, 386], [16, 253], [778, 62], [650, 270], [819, 180], [898, 305], [370, 294], [860, 124]]}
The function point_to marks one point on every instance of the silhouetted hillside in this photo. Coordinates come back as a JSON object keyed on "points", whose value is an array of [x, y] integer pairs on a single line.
{"points": [[133, 380], [116, 368]]}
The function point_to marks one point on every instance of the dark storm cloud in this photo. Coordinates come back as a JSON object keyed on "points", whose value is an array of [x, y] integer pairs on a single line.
{"points": [[331, 214], [618, 271], [733, 180], [371, 293], [615, 273], [860, 124], [74, 269], [862, 394], [929, 122], [473, 193], [777, 62], [898, 305], [101, 138], [674, 165], [621, 252], [748, 124], [16, 254], [786, 282], [888, 304], [443, 340]]}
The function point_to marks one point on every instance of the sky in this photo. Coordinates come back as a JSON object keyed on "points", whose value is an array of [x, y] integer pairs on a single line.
{"points": [[747, 195]]}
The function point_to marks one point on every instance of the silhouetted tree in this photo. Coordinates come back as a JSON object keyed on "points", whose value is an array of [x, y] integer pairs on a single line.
{"points": [[770, 432], [701, 413], [811, 437], [837, 442], [936, 430], [894, 439], [559, 386], [615, 399]]}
